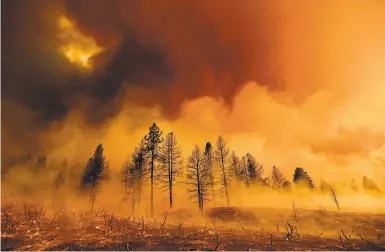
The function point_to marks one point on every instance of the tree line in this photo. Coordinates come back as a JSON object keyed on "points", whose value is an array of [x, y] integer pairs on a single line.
{"points": [[210, 171]]}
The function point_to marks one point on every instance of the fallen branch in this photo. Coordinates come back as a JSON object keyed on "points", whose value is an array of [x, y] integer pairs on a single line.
{"points": [[342, 231], [367, 240]]}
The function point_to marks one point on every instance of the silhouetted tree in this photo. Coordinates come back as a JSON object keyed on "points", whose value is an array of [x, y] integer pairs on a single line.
{"points": [[209, 166], [277, 178], [171, 161], [152, 142], [58, 182], [254, 170], [222, 154], [369, 184], [197, 177], [139, 161], [245, 172], [95, 172], [124, 177], [236, 168], [301, 177], [129, 176]]}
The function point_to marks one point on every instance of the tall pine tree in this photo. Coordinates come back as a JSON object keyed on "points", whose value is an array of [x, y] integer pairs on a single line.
{"points": [[222, 155], [171, 161], [209, 166], [152, 142], [95, 172], [302, 178], [197, 178]]}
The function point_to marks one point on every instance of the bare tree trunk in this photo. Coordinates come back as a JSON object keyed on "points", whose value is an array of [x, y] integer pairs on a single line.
{"points": [[152, 184], [199, 188], [246, 173], [170, 172], [225, 180]]}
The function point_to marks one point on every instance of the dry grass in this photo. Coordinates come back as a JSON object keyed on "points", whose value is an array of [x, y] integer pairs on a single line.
{"points": [[27, 227]]}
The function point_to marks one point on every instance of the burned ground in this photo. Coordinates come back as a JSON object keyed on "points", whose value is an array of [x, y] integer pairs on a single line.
{"points": [[32, 227]]}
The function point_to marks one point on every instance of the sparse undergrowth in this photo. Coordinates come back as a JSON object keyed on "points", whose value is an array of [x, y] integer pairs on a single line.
{"points": [[29, 228]]}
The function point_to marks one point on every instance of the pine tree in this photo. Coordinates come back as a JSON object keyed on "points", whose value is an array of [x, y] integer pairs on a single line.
{"points": [[209, 166], [125, 177], [222, 154], [197, 177], [59, 182], [254, 169], [139, 160], [302, 178], [277, 178], [245, 172], [171, 161], [369, 185], [152, 142], [129, 176], [236, 167], [95, 172]]}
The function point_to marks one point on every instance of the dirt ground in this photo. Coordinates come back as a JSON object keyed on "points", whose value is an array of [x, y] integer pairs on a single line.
{"points": [[30, 227]]}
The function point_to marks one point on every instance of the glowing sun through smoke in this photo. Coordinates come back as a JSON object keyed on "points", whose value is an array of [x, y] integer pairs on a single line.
{"points": [[76, 47]]}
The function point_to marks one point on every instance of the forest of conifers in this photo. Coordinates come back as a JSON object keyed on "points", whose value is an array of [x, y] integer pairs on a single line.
{"points": [[208, 172]]}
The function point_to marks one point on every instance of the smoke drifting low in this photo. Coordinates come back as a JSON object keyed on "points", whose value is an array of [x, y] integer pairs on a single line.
{"points": [[294, 83]]}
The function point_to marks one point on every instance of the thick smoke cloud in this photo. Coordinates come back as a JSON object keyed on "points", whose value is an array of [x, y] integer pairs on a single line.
{"points": [[172, 50], [188, 49], [316, 68]]}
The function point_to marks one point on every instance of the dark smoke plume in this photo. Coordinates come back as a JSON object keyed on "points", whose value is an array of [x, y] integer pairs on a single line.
{"points": [[174, 50]]}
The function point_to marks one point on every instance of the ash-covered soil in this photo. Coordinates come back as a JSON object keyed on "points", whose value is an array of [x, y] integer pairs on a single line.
{"points": [[29, 228]]}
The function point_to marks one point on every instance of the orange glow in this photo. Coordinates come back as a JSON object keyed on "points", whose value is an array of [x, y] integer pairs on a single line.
{"points": [[76, 47]]}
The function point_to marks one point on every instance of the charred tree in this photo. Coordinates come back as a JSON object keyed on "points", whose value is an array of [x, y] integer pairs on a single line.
{"points": [[197, 178], [129, 176], [152, 143], [139, 160], [222, 154], [244, 172], [209, 166], [277, 178], [95, 173], [302, 178], [236, 168], [171, 161], [58, 183], [254, 170]]}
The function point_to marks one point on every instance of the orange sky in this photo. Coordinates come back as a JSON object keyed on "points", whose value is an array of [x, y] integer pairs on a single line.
{"points": [[296, 83]]}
